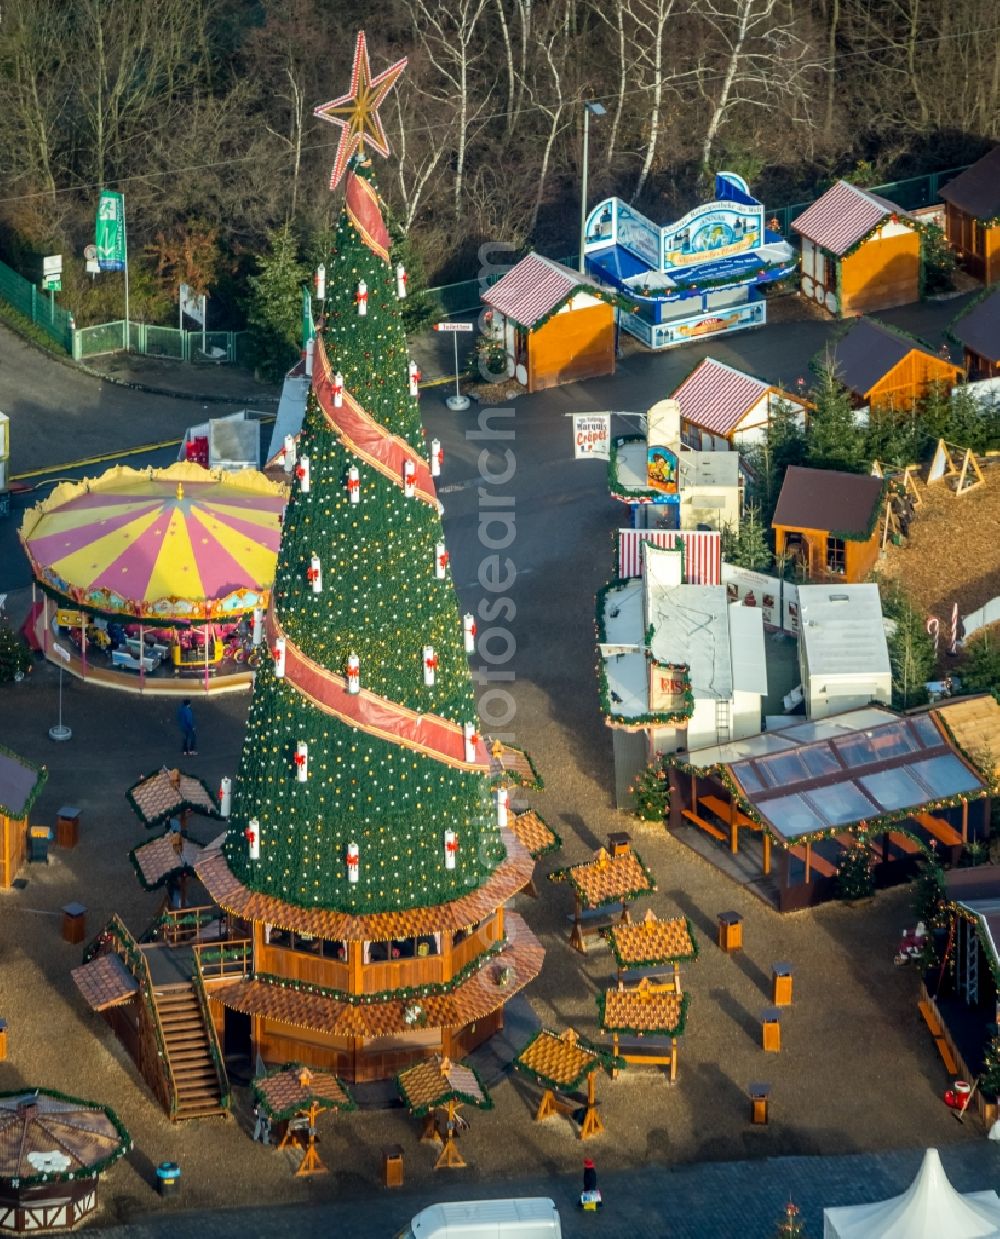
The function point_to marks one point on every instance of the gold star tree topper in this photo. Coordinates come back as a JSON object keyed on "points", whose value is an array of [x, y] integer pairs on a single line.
{"points": [[357, 112]]}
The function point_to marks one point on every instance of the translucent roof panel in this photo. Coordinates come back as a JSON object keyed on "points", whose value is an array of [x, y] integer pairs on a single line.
{"points": [[792, 816], [783, 768], [819, 760], [837, 803], [894, 789], [945, 775], [923, 727], [748, 777]]}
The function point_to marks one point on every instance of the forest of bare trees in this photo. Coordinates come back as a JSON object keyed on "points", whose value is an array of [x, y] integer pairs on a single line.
{"points": [[201, 112]]}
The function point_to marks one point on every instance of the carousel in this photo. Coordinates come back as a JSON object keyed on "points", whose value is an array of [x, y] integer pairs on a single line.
{"points": [[154, 580]]}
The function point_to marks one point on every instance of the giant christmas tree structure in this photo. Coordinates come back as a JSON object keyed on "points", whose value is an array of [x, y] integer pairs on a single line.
{"points": [[365, 852]]}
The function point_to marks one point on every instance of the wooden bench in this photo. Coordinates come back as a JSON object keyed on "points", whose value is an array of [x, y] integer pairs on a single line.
{"points": [[943, 831], [718, 806], [816, 862], [659, 975], [905, 844], [651, 1051], [700, 822], [937, 1032], [588, 923]]}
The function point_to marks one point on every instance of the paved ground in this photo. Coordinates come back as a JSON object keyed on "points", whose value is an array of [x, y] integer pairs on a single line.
{"points": [[731, 1200], [857, 1073]]}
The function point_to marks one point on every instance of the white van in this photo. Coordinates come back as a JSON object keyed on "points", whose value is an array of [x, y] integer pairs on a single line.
{"points": [[535, 1217]]}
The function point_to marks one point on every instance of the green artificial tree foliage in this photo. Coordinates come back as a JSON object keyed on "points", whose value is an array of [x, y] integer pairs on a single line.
{"points": [[382, 601], [274, 305], [855, 873], [420, 307], [651, 791], [15, 660], [928, 894], [911, 650], [791, 1225], [833, 439], [746, 546], [989, 1076]]}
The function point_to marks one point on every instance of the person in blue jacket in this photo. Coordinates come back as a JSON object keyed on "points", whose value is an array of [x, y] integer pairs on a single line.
{"points": [[185, 720]]}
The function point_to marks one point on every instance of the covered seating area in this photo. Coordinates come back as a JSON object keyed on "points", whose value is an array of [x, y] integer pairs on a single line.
{"points": [[807, 791], [604, 887]]}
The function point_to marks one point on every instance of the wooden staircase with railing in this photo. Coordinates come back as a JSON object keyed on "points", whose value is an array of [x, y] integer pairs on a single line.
{"points": [[196, 1082]]}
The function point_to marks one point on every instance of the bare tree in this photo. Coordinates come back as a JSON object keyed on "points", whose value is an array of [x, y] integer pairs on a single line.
{"points": [[447, 31], [757, 60], [32, 55], [420, 150], [645, 24]]}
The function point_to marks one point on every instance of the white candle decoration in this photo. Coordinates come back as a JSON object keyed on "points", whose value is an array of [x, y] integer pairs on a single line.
{"points": [[338, 390], [354, 484], [225, 796], [310, 351], [278, 654], [301, 761], [252, 835], [450, 849], [469, 731], [415, 377], [430, 666], [503, 807], [469, 632], [314, 575], [437, 458], [289, 453], [258, 626], [302, 473], [441, 558], [401, 278], [321, 282], [362, 298], [353, 863], [353, 674], [409, 479]]}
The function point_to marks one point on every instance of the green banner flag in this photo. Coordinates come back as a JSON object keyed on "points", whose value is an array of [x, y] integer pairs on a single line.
{"points": [[109, 232]]}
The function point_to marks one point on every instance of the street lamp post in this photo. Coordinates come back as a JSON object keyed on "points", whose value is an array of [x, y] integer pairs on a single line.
{"points": [[589, 109]]}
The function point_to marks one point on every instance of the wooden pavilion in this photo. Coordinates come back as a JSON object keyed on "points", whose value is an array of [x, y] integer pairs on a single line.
{"points": [[560, 1064], [886, 369], [438, 1084], [21, 783], [604, 887], [652, 948], [296, 1096], [830, 522], [645, 1023], [808, 791]]}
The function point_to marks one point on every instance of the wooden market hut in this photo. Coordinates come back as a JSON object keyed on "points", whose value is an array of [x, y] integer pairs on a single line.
{"points": [[556, 325], [560, 1063], [887, 369], [604, 887], [830, 521], [972, 217], [786, 804], [20, 784], [724, 409], [860, 252], [978, 332]]}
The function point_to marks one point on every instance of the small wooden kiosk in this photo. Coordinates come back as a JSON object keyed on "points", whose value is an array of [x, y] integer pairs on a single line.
{"points": [[532, 831], [648, 1010], [556, 325], [163, 794], [830, 521], [603, 888], [20, 784], [652, 948], [295, 1095], [972, 217], [886, 369], [860, 252], [560, 1064], [978, 332], [439, 1084]]}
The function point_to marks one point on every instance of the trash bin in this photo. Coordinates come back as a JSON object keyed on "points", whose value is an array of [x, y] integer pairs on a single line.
{"points": [[39, 838], [168, 1178]]}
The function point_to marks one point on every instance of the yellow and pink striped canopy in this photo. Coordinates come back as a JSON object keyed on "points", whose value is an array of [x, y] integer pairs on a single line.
{"points": [[177, 543]]}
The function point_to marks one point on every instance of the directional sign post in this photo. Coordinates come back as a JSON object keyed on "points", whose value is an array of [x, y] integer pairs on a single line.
{"points": [[60, 731], [457, 403]]}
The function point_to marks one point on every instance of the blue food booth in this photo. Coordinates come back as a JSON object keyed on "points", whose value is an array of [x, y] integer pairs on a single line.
{"points": [[700, 276]]}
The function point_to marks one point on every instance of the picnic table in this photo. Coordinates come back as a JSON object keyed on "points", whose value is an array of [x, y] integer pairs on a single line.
{"points": [[601, 888], [560, 1064]]}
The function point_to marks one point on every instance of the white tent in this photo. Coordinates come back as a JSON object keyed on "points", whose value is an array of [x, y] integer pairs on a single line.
{"points": [[929, 1209]]}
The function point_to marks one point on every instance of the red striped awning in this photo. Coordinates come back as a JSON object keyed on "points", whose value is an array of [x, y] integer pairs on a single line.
{"points": [[702, 552]]}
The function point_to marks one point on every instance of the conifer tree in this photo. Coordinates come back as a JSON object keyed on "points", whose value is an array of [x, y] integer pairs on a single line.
{"points": [[791, 1225], [363, 588], [274, 308], [833, 440]]}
